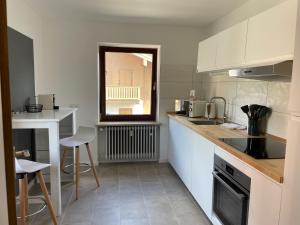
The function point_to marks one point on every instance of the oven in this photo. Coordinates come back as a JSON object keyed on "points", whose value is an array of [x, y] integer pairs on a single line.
{"points": [[231, 193]]}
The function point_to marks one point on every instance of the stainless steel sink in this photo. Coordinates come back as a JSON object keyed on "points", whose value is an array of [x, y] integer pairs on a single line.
{"points": [[205, 122]]}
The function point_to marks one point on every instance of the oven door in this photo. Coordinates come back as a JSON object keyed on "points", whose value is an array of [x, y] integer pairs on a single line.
{"points": [[230, 202]]}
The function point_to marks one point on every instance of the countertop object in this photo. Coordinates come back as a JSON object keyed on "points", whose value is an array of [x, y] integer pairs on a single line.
{"points": [[272, 168]]}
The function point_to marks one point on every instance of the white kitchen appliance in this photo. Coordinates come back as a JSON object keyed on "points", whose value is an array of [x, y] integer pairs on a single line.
{"points": [[210, 110], [290, 207], [197, 108], [47, 101]]}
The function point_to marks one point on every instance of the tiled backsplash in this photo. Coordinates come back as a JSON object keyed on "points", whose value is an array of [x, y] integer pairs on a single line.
{"points": [[238, 92]]}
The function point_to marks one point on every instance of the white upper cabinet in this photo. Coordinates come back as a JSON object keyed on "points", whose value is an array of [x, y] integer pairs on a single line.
{"points": [[271, 34], [264, 39], [231, 46], [294, 103], [207, 51]]}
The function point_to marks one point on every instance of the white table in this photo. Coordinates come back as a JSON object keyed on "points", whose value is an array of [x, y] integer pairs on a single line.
{"points": [[48, 119]]}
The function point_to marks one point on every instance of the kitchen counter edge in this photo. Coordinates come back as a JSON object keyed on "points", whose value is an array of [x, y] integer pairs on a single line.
{"points": [[273, 168]]}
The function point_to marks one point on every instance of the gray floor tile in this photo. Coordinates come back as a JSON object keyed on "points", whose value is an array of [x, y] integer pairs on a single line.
{"points": [[130, 194], [163, 221], [135, 210], [185, 207], [135, 222], [159, 208], [196, 219]]}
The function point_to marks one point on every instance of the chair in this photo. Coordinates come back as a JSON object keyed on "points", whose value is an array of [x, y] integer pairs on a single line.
{"points": [[83, 136], [23, 168]]}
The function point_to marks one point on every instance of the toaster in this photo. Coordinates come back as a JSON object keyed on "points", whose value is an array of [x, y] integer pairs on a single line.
{"points": [[197, 108]]}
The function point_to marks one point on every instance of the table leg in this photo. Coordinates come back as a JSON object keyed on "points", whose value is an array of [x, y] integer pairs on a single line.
{"points": [[74, 129], [55, 179]]}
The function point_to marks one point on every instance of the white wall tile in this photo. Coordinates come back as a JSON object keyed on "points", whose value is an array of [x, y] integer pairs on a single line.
{"points": [[227, 90], [252, 93], [277, 124], [278, 96], [238, 92]]}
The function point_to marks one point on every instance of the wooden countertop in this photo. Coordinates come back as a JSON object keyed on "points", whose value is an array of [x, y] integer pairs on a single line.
{"points": [[273, 168]]}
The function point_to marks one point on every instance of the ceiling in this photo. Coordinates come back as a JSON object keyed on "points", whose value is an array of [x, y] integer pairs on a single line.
{"points": [[172, 12]]}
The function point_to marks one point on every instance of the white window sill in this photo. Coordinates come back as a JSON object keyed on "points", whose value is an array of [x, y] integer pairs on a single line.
{"points": [[127, 123]]}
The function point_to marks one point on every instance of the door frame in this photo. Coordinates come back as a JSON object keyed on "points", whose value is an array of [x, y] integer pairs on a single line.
{"points": [[6, 117]]}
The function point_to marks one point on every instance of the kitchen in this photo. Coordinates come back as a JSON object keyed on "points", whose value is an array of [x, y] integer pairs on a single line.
{"points": [[242, 35]]}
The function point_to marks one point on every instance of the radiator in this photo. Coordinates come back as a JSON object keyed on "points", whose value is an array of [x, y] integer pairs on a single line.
{"points": [[131, 143]]}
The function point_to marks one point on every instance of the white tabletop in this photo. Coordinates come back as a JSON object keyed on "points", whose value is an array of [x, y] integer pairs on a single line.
{"points": [[44, 116]]}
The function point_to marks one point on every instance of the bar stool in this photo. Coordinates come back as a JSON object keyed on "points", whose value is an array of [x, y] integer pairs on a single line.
{"points": [[24, 167], [83, 136]]}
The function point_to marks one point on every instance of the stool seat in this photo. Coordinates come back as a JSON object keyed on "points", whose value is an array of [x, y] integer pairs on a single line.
{"points": [[23, 167], [26, 166], [83, 135]]}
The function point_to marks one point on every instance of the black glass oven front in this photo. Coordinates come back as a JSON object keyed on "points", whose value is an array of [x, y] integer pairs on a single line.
{"points": [[231, 199]]}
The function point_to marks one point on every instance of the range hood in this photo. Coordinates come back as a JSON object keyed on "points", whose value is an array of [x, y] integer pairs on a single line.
{"points": [[278, 71]]}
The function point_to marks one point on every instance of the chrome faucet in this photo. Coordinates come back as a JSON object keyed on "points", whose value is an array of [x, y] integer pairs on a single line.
{"points": [[211, 100]]}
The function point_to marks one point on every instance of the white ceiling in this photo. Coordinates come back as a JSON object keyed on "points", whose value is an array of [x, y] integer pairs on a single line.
{"points": [[173, 12]]}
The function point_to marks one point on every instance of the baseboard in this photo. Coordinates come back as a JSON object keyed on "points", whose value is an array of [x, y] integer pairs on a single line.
{"points": [[163, 161]]}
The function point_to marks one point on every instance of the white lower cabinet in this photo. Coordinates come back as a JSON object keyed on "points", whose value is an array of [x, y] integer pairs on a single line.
{"points": [[202, 168], [192, 157], [180, 151], [265, 201]]}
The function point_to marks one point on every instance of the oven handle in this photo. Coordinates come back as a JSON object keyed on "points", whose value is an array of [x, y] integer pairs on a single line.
{"points": [[238, 195]]}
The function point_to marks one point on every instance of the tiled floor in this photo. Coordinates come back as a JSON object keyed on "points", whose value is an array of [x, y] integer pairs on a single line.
{"points": [[130, 194]]}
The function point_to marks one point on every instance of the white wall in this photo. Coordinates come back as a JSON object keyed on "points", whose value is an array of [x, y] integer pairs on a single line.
{"points": [[70, 56], [249, 9]]}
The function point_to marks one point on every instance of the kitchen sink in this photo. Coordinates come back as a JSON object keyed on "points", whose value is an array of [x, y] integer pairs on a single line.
{"points": [[205, 122]]}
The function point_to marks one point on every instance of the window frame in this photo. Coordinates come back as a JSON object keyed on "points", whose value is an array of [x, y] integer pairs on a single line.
{"points": [[102, 84]]}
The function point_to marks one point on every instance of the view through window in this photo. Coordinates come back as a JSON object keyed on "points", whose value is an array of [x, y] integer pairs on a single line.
{"points": [[127, 83]]}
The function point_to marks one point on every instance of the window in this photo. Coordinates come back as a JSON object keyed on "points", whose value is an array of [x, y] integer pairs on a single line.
{"points": [[128, 88]]}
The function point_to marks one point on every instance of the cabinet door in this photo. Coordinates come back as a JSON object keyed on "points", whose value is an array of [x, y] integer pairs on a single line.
{"points": [[291, 186], [231, 46], [207, 51], [180, 153], [172, 145], [294, 104], [202, 168], [271, 34], [265, 201]]}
